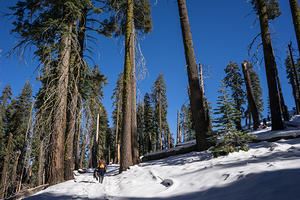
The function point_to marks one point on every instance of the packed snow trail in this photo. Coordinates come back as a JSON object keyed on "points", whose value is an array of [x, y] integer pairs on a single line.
{"points": [[268, 171]]}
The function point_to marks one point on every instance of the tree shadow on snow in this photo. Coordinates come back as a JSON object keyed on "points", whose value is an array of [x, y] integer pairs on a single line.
{"points": [[274, 185]]}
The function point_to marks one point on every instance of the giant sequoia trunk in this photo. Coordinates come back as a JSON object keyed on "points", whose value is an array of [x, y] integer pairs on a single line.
{"points": [[270, 66], [295, 9], [253, 111], [134, 134], [196, 97], [126, 150], [56, 154], [69, 143]]}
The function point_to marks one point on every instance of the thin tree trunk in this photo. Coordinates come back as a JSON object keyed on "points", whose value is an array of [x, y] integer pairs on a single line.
{"points": [[134, 134], [250, 96], [41, 164], [295, 10], [270, 66], [77, 136], [284, 108], [117, 132], [160, 126], [177, 141], [83, 145], [27, 150], [295, 81], [5, 167], [169, 140], [14, 171], [197, 97], [207, 114], [180, 134], [126, 149]]}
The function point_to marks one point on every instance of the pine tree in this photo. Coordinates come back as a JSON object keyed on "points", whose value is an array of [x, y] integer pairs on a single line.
{"points": [[227, 138], [117, 114], [159, 99], [269, 10], [131, 16], [148, 124], [235, 82], [257, 90], [140, 128], [252, 104], [186, 123]]}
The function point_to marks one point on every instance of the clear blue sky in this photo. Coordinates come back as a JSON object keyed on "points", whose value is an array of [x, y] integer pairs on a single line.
{"points": [[222, 31]]}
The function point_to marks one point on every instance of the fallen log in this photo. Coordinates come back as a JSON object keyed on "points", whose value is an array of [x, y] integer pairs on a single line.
{"points": [[169, 152], [27, 192]]}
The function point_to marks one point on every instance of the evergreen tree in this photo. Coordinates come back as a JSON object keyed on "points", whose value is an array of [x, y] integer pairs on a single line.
{"points": [[186, 123], [131, 16], [269, 10], [117, 114], [227, 138], [140, 128], [235, 82], [148, 124], [257, 90], [159, 99]]}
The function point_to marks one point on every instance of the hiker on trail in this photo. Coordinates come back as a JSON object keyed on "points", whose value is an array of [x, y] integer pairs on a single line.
{"points": [[101, 169]]}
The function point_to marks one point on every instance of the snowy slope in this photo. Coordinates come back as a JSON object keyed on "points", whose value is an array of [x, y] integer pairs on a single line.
{"points": [[268, 171]]}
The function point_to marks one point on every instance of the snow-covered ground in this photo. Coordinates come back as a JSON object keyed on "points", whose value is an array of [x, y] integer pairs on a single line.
{"points": [[268, 171]]}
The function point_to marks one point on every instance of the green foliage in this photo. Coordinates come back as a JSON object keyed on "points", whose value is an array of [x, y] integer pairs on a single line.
{"points": [[140, 128], [273, 9], [257, 90], [235, 82], [226, 137], [142, 16], [159, 96], [148, 124], [186, 123]]}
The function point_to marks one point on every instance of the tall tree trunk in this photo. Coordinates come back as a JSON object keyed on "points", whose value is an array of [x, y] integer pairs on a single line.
{"points": [[250, 96], [83, 145], [160, 126], [270, 66], [295, 81], [207, 114], [284, 108], [95, 149], [81, 39], [117, 132], [26, 148], [77, 136], [197, 97], [177, 141], [295, 9], [134, 134], [69, 159], [126, 150], [3, 183], [14, 171], [41, 164]]}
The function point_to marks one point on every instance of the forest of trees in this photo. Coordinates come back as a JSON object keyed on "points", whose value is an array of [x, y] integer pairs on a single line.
{"points": [[65, 126]]}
